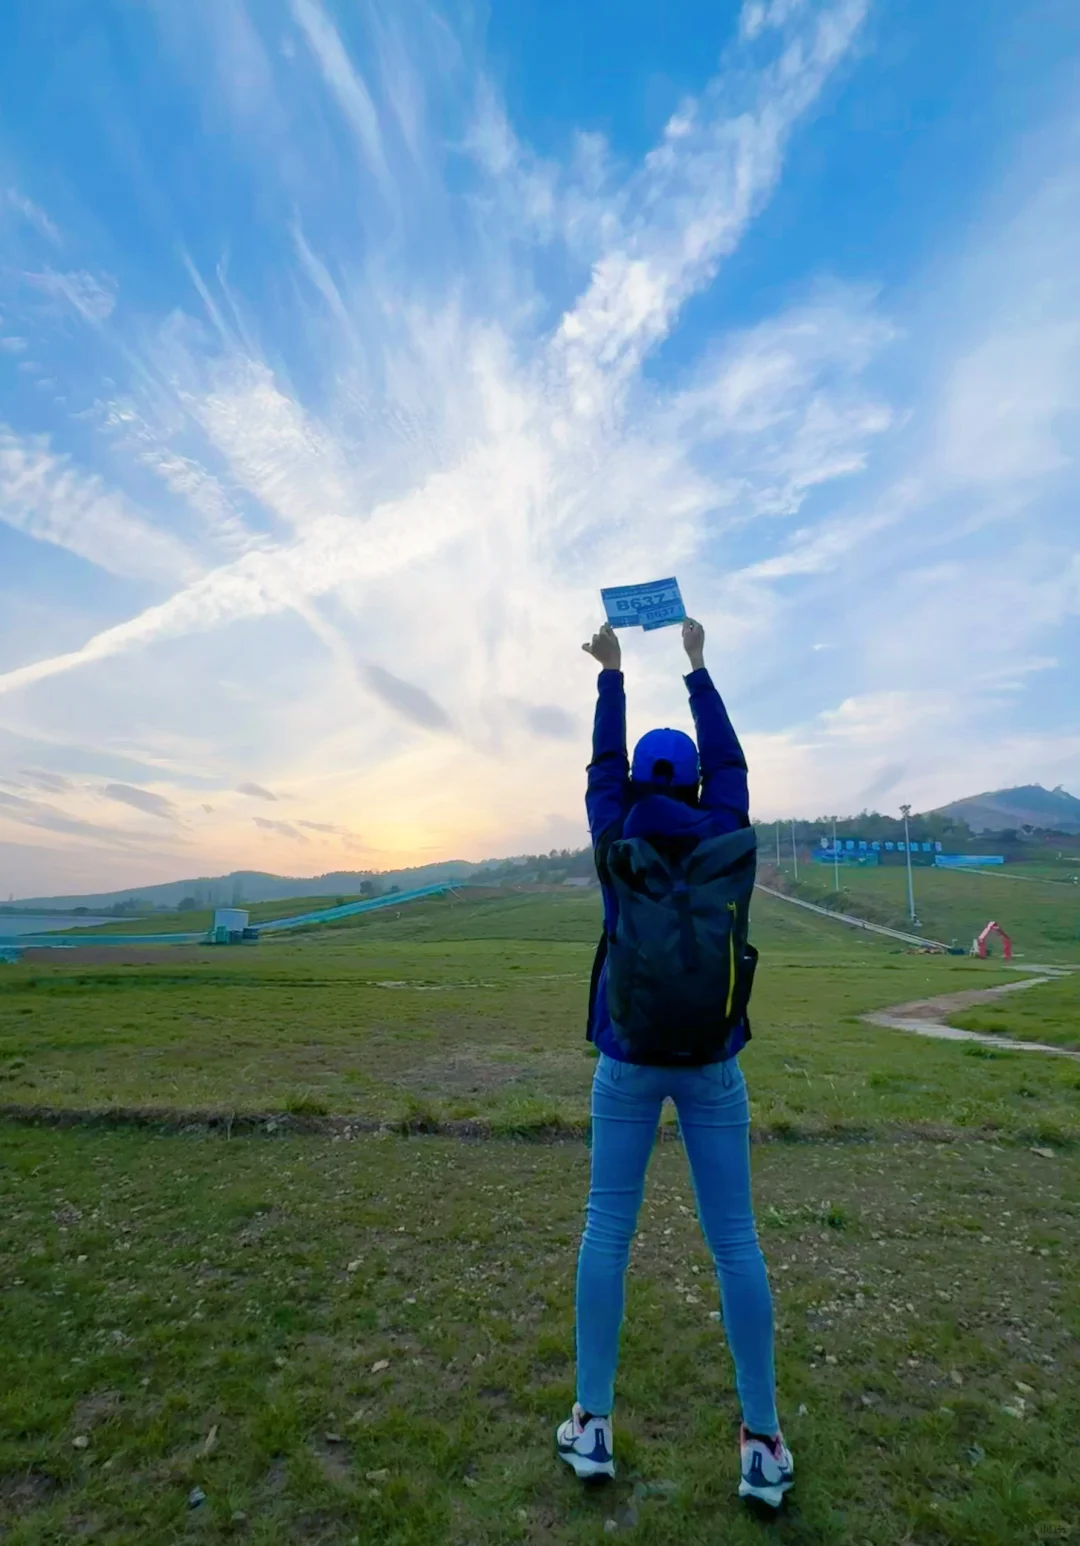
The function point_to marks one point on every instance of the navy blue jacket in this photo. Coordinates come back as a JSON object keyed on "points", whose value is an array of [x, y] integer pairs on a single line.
{"points": [[618, 808]]}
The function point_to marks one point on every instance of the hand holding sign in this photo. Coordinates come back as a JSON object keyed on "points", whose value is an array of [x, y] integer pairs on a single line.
{"points": [[605, 648], [693, 638], [646, 606]]}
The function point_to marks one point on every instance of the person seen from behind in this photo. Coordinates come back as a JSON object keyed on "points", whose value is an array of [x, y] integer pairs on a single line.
{"points": [[675, 854]]}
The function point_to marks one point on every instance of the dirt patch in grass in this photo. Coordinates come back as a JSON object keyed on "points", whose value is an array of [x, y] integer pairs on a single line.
{"points": [[334, 1457], [467, 1072], [943, 1004], [99, 1406], [23, 1491]]}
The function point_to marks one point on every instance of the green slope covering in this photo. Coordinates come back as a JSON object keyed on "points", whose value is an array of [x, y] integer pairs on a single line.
{"points": [[1042, 916]]}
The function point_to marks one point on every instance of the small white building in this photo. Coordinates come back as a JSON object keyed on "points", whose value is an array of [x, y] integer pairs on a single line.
{"points": [[229, 925]]}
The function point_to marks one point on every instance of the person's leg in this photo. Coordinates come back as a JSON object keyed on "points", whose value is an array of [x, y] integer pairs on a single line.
{"points": [[714, 1116], [626, 1104]]}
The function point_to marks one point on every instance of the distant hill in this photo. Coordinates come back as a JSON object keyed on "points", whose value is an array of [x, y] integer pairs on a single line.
{"points": [[1029, 805], [256, 886]]}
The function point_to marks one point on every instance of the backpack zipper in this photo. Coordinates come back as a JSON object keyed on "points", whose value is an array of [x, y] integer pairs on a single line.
{"points": [[731, 958]]}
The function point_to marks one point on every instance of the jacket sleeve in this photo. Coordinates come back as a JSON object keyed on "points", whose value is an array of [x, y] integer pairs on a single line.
{"points": [[723, 766], [609, 771]]}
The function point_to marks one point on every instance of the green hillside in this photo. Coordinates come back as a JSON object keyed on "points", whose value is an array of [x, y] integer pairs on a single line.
{"points": [[1041, 916]]}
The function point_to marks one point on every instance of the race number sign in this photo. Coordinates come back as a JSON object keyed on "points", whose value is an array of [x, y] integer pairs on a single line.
{"points": [[644, 606]]}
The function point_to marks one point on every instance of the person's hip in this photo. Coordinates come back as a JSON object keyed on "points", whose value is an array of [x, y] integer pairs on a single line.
{"points": [[717, 1090]]}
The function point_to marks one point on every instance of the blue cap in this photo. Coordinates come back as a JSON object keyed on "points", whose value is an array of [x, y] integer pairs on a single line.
{"points": [[671, 747]]}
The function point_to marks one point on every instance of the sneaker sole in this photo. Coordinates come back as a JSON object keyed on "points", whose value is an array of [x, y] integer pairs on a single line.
{"points": [[593, 1472], [772, 1497]]}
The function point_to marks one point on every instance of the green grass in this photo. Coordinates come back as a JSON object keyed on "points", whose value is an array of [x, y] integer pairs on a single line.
{"points": [[475, 1011], [160, 1291], [215, 1314], [1063, 866], [1049, 1013], [1041, 915]]}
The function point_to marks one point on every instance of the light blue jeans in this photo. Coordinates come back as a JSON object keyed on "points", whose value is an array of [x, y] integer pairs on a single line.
{"points": [[714, 1118]]}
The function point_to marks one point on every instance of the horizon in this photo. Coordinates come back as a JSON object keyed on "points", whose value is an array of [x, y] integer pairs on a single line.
{"points": [[345, 356], [495, 860]]}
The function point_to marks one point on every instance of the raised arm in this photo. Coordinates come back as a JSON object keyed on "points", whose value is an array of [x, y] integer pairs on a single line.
{"points": [[609, 771], [723, 765]]}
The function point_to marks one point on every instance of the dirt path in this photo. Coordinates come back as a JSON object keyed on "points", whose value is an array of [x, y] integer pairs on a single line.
{"points": [[924, 1017]]}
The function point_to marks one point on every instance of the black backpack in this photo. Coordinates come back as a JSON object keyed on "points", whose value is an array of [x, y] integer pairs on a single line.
{"points": [[680, 967]]}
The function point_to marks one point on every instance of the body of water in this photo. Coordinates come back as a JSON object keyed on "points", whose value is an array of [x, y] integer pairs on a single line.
{"points": [[12, 924]]}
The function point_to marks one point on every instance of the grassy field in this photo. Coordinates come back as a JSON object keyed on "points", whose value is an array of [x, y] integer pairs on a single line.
{"points": [[474, 1011], [1041, 915], [342, 1335], [372, 1341], [199, 919], [1050, 1014]]}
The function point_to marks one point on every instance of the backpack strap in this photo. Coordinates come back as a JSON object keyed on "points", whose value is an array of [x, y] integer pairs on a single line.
{"points": [[594, 982], [602, 850]]}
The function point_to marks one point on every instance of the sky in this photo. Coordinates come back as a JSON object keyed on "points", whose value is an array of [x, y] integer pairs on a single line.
{"points": [[349, 347]]}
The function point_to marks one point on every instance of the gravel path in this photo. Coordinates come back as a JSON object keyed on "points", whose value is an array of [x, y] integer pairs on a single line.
{"points": [[924, 1017]]}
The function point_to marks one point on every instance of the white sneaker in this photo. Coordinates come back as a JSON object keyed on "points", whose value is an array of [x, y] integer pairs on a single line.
{"points": [[768, 1469], [584, 1442]]}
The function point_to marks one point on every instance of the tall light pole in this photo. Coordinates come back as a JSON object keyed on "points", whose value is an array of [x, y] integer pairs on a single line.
{"points": [[777, 845], [905, 811], [835, 858], [794, 851]]}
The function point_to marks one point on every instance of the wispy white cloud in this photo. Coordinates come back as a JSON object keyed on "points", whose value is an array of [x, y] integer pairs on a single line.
{"points": [[93, 297], [531, 435], [256, 791], [141, 800], [341, 835], [47, 497], [1007, 403], [52, 783], [20, 811], [215, 507], [32, 214], [757, 16], [691, 200], [345, 81], [281, 828]]}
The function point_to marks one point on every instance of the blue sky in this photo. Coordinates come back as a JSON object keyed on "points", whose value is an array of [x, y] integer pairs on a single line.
{"points": [[347, 349]]}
